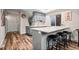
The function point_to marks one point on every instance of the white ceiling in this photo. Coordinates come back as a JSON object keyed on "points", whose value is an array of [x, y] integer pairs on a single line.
{"points": [[46, 10]]}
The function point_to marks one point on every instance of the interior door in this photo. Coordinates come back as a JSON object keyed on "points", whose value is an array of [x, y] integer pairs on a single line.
{"points": [[58, 20]]}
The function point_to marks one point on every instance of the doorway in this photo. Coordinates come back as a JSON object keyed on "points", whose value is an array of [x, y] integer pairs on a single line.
{"points": [[53, 20], [56, 20], [12, 23]]}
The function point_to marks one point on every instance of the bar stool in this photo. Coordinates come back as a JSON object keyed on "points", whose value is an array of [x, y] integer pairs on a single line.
{"points": [[53, 42], [63, 39], [68, 36]]}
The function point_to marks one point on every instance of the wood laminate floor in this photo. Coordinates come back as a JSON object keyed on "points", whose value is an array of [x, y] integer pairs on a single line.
{"points": [[73, 46], [25, 42], [16, 41]]}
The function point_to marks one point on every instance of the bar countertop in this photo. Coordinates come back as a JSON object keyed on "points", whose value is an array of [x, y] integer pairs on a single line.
{"points": [[50, 28]]}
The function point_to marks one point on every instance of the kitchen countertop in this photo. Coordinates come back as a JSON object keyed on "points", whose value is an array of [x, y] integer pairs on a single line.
{"points": [[50, 29], [37, 26]]}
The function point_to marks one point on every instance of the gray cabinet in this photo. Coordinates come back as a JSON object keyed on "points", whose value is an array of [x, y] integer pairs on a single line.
{"points": [[28, 29], [39, 40], [37, 19]]}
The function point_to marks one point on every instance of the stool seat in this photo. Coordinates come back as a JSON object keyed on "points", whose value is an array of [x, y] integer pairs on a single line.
{"points": [[52, 41], [68, 36], [63, 39]]}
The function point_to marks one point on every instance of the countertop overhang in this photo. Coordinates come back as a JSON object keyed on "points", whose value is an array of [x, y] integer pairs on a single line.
{"points": [[50, 29]]}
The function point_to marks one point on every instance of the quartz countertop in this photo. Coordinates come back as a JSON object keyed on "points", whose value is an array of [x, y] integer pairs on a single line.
{"points": [[50, 28]]}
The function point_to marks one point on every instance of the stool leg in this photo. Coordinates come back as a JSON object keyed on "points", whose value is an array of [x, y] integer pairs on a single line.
{"points": [[69, 39], [52, 45], [65, 44], [56, 46], [48, 46]]}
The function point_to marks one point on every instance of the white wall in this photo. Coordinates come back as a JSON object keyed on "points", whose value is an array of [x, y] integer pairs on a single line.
{"points": [[14, 21], [74, 24], [48, 22], [2, 31], [0, 18], [23, 24]]}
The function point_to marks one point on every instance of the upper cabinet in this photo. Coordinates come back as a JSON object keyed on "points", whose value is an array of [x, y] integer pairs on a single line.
{"points": [[38, 18]]}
